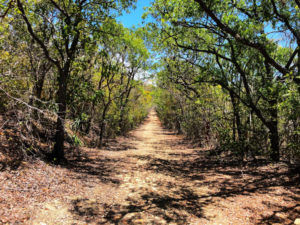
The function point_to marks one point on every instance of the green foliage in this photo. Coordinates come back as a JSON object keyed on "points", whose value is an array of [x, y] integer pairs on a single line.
{"points": [[225, 76], [229, 45], [76, 141], [73, 61]]}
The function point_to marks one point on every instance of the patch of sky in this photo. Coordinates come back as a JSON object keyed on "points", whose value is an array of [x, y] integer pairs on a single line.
{"points": [[134, 17]]}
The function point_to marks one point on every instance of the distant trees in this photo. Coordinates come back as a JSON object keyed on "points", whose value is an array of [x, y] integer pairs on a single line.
{"points": [[228, 43]]}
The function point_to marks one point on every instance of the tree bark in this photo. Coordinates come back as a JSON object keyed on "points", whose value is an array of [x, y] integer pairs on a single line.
{"points": [[237, 118], [274, 139], [58, 150], [297, 79], [273, 132], [122, 114], [102, 126], [38, 85]]}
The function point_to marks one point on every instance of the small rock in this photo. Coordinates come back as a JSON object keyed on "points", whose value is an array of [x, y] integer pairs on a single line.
{"points": [[297, 221], [128, 218], [117, 217], [281, 215]]}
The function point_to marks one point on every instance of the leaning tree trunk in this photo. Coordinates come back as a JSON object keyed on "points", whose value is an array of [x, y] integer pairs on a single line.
{"points": [[122, 114]]}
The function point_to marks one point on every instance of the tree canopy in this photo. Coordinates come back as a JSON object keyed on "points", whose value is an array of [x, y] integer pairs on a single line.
{"points": [[226, 73]]}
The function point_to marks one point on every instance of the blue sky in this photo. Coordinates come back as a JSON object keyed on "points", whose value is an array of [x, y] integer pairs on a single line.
{"points": [[134, 18]]}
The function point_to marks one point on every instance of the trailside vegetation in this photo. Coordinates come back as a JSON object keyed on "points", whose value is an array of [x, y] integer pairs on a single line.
{"points": [[227, 74], [69, 70], [230, 73]]}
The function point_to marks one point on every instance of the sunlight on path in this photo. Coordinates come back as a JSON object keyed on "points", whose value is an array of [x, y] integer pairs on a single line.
{"points": [[158, 179]]}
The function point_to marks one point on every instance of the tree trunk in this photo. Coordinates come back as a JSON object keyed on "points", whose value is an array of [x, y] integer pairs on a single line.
{"points": [[102, 126], [274, 139], [90, 118], [297, 79], [37, 89], [101, 134], [39, 85], [237, 118], [58, 150], [274, 135], [39, 79], [122, 113], [88, 125]]}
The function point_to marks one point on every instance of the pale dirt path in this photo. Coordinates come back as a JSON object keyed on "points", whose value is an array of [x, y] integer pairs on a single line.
{"points": [[154, 178]]}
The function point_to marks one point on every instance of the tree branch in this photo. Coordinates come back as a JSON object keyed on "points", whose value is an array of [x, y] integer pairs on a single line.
{"points": [[34, 36], [260, 47], [10, 4]]}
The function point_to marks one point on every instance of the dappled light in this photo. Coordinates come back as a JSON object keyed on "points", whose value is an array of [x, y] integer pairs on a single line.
{"points": [[149, 112], [158, 179]]}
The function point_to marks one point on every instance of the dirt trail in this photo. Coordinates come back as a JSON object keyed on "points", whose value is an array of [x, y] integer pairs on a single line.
{"points": [[153, 177]]}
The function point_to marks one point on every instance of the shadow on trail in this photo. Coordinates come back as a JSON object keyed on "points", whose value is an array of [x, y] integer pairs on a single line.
{"points": [[201, 180], [174, 202], [231, 179], [282, 214], [161, 207], [94, 166], [149, 207], [238, 179], [115, 145]]}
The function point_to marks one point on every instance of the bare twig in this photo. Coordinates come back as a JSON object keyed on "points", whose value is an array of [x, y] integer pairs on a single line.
{"points": [[4, 124], [10, 4], [27, 105]]}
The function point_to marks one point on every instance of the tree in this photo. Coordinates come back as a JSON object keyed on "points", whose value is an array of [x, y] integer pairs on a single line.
{"points": [[70, 26], [228, 44]]}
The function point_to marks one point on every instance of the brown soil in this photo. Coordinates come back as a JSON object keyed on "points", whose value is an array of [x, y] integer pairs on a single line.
{"points": [[152, 177]]}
